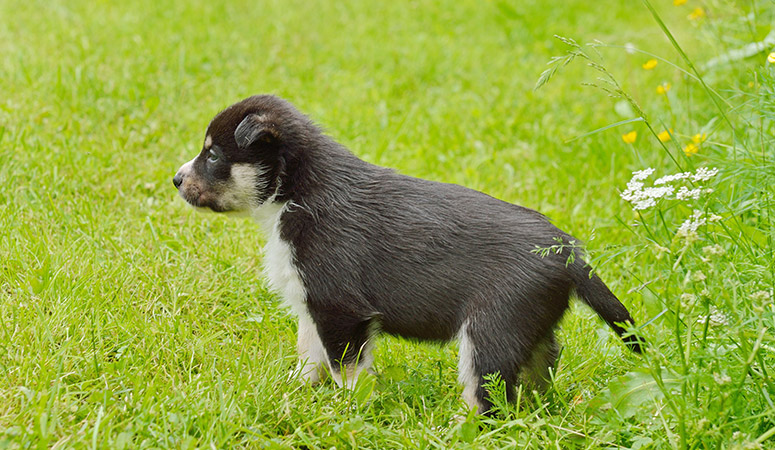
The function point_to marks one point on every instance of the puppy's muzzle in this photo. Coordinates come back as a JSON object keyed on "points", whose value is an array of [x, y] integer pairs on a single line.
{"points": [[184, 171]]}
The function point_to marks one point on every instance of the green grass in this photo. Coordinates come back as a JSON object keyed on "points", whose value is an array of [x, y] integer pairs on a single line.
{"points": [[128, 321]]}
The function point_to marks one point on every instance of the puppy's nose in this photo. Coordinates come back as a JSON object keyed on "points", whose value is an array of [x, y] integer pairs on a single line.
{"points": [[177, 180]]}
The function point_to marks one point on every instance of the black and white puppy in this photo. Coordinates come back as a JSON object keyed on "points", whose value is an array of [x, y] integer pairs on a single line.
{"points": [[355, 249]]}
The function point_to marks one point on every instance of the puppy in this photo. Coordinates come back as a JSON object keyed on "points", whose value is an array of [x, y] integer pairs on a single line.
{"points": [[355, 250]]}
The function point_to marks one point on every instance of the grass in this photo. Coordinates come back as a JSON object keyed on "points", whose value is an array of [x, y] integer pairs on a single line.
{"points": [[127, 321]]}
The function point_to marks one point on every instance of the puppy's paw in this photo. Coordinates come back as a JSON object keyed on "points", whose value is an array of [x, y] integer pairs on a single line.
{"points": [[309, 373]]}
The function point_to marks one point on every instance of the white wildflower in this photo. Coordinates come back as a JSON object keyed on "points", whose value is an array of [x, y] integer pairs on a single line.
{"points": [[699, 276], [704, 174], [644, 203], [639, 175], [671, 178], [659, 192], [690, 225], [713, 250], [686, 193], [721, 378], [716, 318], [642, 197], [760, 296], [714, 218], [630, 48], [687, 300], [632, 193]]}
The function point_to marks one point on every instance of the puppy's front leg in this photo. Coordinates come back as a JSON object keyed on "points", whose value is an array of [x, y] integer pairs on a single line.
{"points": [[348, 341], [312, 355]]}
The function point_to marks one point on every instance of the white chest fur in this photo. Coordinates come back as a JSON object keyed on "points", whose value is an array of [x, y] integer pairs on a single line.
{"points": [[278, 262]]}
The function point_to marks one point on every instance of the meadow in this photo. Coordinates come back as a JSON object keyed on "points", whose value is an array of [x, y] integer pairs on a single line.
{"points": [[129, 321]]}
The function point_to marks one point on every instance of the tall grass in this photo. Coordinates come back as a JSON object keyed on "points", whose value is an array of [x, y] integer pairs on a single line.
{"points": [[126, 321], [705, 252]]}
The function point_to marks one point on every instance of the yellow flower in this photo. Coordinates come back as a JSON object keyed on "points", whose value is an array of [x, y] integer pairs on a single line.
{"points": [[679, 2], [699, 138], [691, 149], [650, 64], [771, 58], [665, 135], [663, 88], [697, 13], [630, 137]]}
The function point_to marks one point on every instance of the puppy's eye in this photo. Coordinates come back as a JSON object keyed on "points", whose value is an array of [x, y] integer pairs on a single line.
{"points": [[213, 156]]}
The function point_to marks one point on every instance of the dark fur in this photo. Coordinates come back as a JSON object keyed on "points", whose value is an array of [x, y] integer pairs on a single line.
{"points": [[416, 258]]}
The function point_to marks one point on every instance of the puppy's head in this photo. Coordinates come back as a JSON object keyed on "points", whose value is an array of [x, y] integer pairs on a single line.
{"points": [[243, 155]]}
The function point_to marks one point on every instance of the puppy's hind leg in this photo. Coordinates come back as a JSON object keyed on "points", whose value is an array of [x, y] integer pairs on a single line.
{"points": [[312, 355], [483, 351], [535, 374], [468, 374]]}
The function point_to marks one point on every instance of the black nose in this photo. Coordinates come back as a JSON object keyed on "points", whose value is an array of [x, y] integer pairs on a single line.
{"points": [[177, 180]]}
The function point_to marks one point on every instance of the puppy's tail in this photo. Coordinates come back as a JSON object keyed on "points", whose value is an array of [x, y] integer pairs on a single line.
{"points": [[591, 289]]}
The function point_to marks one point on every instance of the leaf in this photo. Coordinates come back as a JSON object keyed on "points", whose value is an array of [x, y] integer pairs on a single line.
{"points": [[468, 431], [364, 387], [393, 373], [641, 442], [632, 391], [123, 440]]}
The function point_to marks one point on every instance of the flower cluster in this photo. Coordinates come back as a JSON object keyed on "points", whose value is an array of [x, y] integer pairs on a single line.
{"points": [[704, 174], [690, 225], [671, 187], [701, 174], [643, 197], [761, 296], [684, 193], [713, 250], [715, 318], [640, 196], [688, 300], [694, 146], [698, 218], [698, 276]]}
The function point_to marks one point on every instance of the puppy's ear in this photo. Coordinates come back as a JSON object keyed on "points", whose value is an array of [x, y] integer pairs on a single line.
{"points": [[252, 129]]}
